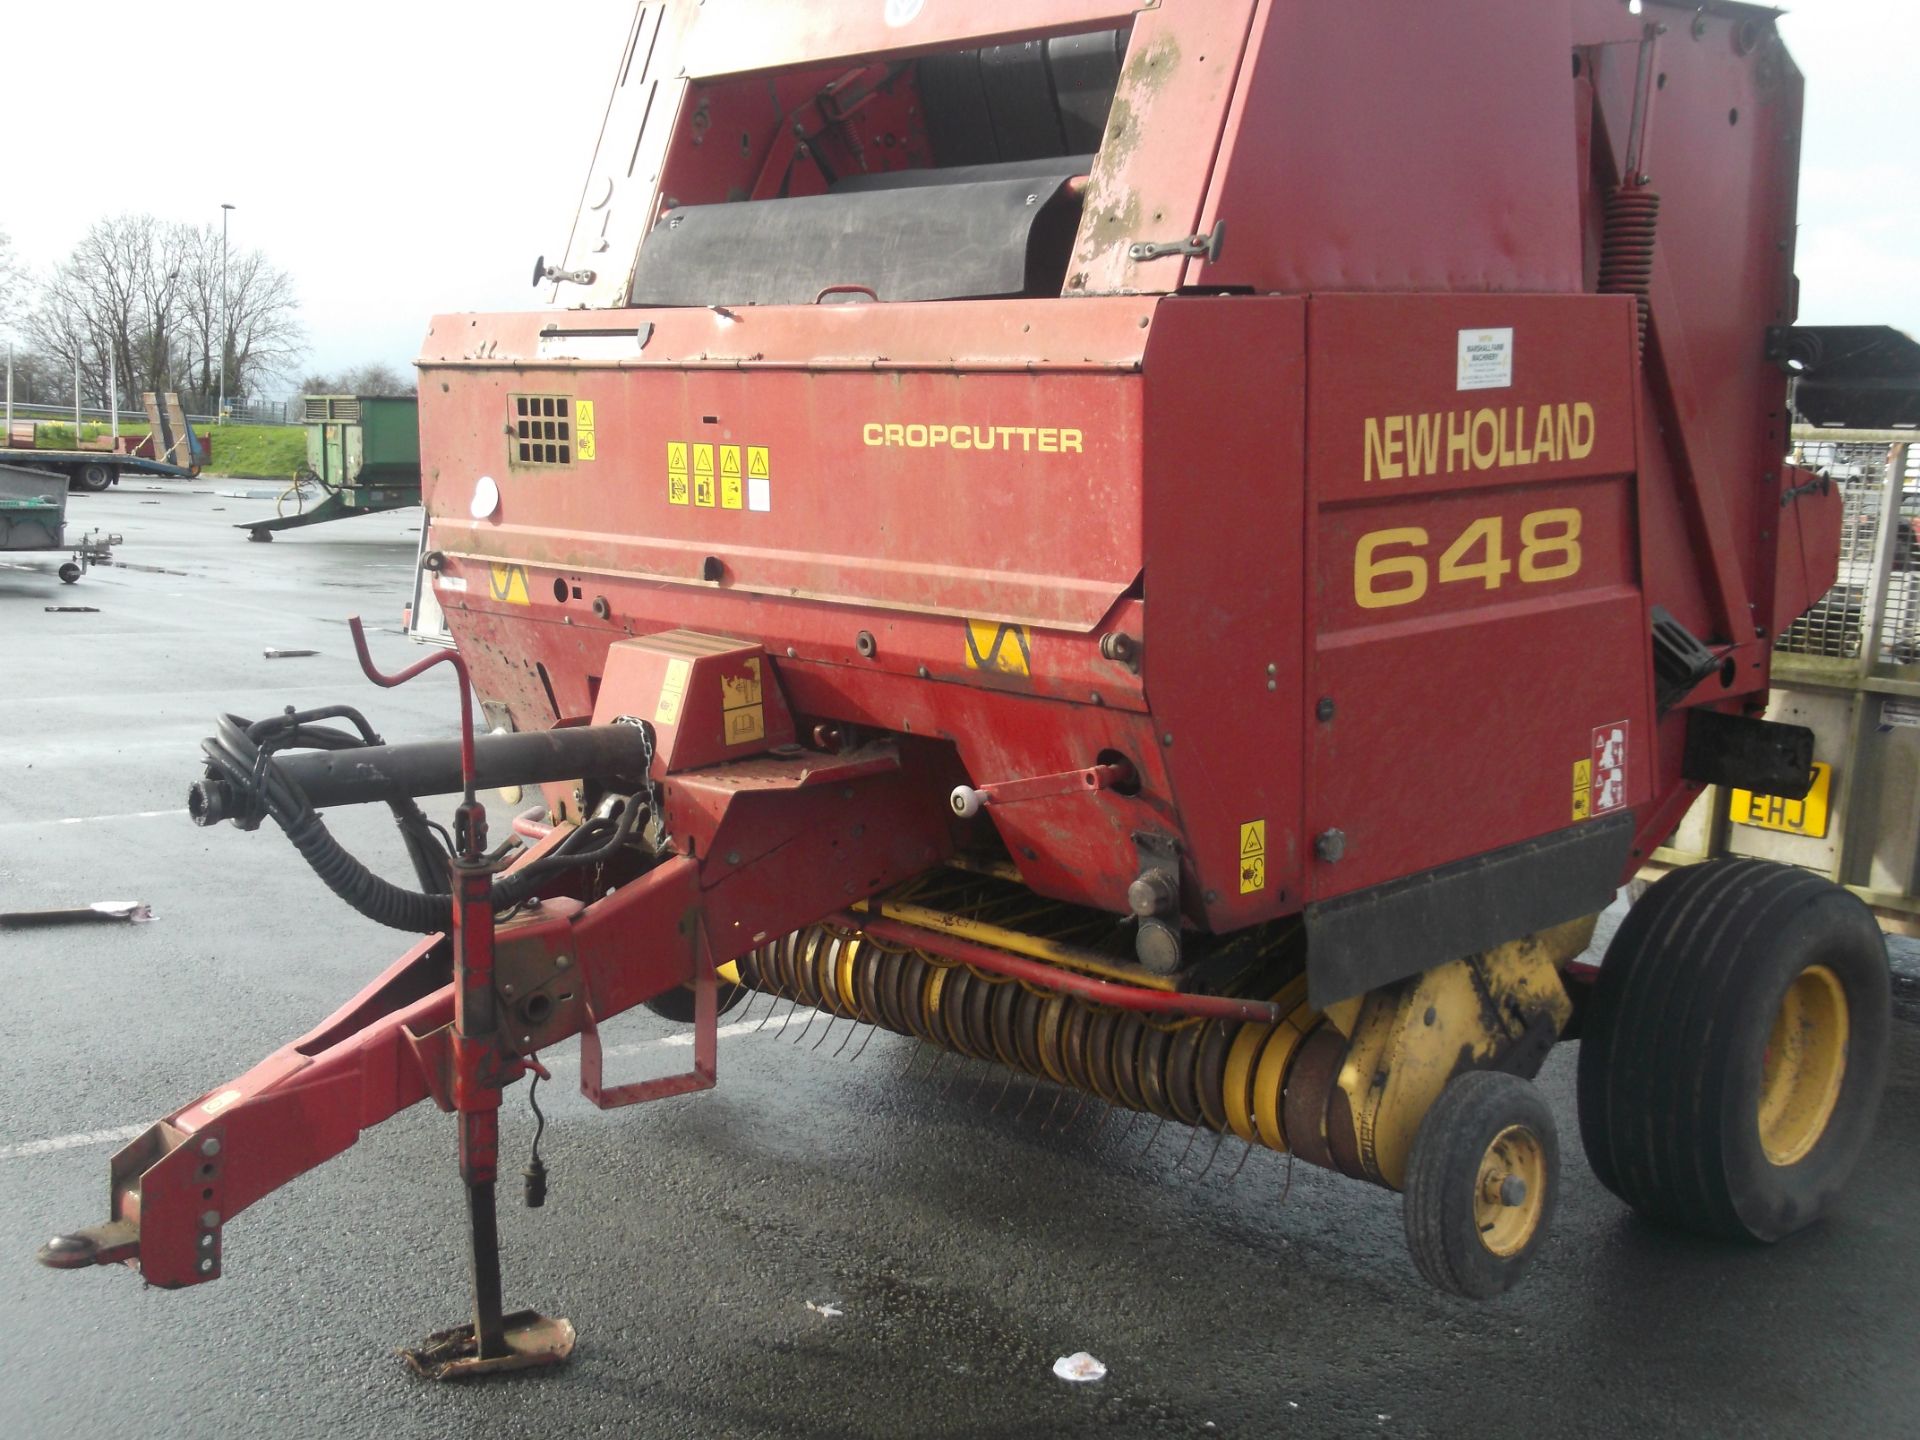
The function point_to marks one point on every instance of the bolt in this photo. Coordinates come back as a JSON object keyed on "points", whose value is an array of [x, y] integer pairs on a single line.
{"points": [[210, 1147], [206, 1266], [733, 857], [924, 672], [507, 990], [1167, 739], [210, 1219], [1330, 845], [1513, 1192], [563, 961], [206, 1242], [1324, 710]]}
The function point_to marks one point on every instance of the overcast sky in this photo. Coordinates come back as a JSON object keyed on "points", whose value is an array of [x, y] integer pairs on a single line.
{"points": [[403, 158]]}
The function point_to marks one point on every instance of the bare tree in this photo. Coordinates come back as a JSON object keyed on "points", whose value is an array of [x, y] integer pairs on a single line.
{"points": [[251, 328], [13, 286], [370, 379], [147, 294], [117, 302], [263, 336]]}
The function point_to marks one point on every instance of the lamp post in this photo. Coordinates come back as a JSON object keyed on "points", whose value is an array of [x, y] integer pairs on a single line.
{"points": [[226, 316]]}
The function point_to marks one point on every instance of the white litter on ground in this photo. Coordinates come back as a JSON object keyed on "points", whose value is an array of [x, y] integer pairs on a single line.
{"points": [[828, 1311], [1079, 1367]]}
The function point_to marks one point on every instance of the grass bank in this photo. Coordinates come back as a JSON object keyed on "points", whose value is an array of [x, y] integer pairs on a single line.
{"points": [[274, 452]]}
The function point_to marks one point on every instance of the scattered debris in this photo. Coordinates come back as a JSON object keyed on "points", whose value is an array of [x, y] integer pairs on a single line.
{"points": [[273, 654], [1079, 1367], [73, 609], [100, 912], [827, 1311]]}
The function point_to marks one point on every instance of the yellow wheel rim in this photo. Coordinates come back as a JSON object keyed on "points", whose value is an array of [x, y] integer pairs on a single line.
{"points": [[1510, 1192], [1803, 1066]]}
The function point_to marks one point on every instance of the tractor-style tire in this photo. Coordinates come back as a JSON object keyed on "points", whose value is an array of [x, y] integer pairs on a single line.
{"points": [[1735, 1049], [1481, 1184], [677, 1004]]}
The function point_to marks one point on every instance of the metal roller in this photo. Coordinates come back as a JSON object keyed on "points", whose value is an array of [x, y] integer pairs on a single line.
{"points": [[1270, 1083]]}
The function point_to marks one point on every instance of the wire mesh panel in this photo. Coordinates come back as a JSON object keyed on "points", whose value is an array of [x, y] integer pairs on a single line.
{"points": [[1837, 627]]}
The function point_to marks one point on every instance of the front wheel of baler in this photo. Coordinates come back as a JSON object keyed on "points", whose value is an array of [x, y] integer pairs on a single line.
{"points": [[1735, 1049], [1481, 1184]]}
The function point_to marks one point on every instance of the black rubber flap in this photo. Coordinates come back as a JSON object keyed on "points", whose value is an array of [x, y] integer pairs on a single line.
{"points": [[1374, 937], [971, 240]]}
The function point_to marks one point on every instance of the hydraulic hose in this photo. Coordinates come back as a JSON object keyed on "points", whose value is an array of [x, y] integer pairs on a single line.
{"points": [[246, 783]]}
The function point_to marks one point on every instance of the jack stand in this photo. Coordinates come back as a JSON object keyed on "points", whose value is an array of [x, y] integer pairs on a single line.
{"points": [[481, 1065], [493, 1341]]}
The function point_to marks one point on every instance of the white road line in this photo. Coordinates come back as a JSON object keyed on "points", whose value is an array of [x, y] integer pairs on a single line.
{"points": [[640, 1047], [30, 1148], [70, 1142], [128, 815]]}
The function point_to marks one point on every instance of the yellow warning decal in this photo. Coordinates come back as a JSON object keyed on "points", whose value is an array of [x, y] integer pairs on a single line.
{"points": [[737, 477], [508, 584], [1582, 789], [703, 475], [1253, 857], [994, 646], [673, 691], [678, 491], [743, 718], [583, 429]]}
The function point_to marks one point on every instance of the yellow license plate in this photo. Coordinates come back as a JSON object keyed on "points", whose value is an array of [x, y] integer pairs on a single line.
{"points": [[1791, 817]]}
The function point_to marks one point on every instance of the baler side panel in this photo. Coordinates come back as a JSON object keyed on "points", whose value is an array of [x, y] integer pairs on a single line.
{"points": [[998, 497], [1400, 146], [1225, 438], [1474, 604]]}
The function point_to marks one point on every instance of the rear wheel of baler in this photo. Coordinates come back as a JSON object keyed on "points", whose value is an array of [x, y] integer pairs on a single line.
{"points": [[1735, 1049], [677, 1004], [1481, 1183]]}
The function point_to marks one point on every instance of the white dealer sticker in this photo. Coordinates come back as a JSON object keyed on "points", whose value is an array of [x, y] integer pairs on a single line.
{"points": [[1486, 359]]}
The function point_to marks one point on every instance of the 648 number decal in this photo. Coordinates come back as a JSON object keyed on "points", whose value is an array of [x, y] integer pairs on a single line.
{"points": [[1392, 567]]}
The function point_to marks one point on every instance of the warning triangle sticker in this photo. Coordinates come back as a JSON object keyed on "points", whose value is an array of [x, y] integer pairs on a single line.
{"points": [[1253, 839]]}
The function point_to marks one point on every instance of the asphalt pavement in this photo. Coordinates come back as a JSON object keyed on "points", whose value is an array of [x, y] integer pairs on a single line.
{"points": [[824, 1245]]}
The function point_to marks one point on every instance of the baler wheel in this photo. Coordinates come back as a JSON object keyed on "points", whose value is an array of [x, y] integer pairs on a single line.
{"points": [[1735, 1049], [677, 1004], [1481, 1184]]}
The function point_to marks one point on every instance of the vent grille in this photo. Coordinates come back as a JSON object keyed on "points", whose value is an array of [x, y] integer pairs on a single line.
{"points": [[541, 430], [331, 407]]}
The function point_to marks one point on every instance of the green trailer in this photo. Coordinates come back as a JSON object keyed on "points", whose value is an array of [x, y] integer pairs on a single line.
{"points": [[363, 452]]}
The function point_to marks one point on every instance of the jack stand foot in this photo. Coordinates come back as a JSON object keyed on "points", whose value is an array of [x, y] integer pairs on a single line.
{"points": [[532, 1340], [492, 1342]]}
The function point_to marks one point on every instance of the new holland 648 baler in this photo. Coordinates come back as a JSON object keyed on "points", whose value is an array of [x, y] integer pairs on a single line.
{"points": [[1185, 547]]}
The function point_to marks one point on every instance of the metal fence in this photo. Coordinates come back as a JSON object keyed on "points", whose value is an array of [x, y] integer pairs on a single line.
{"points": [[263, 412], [1872, 614]]}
